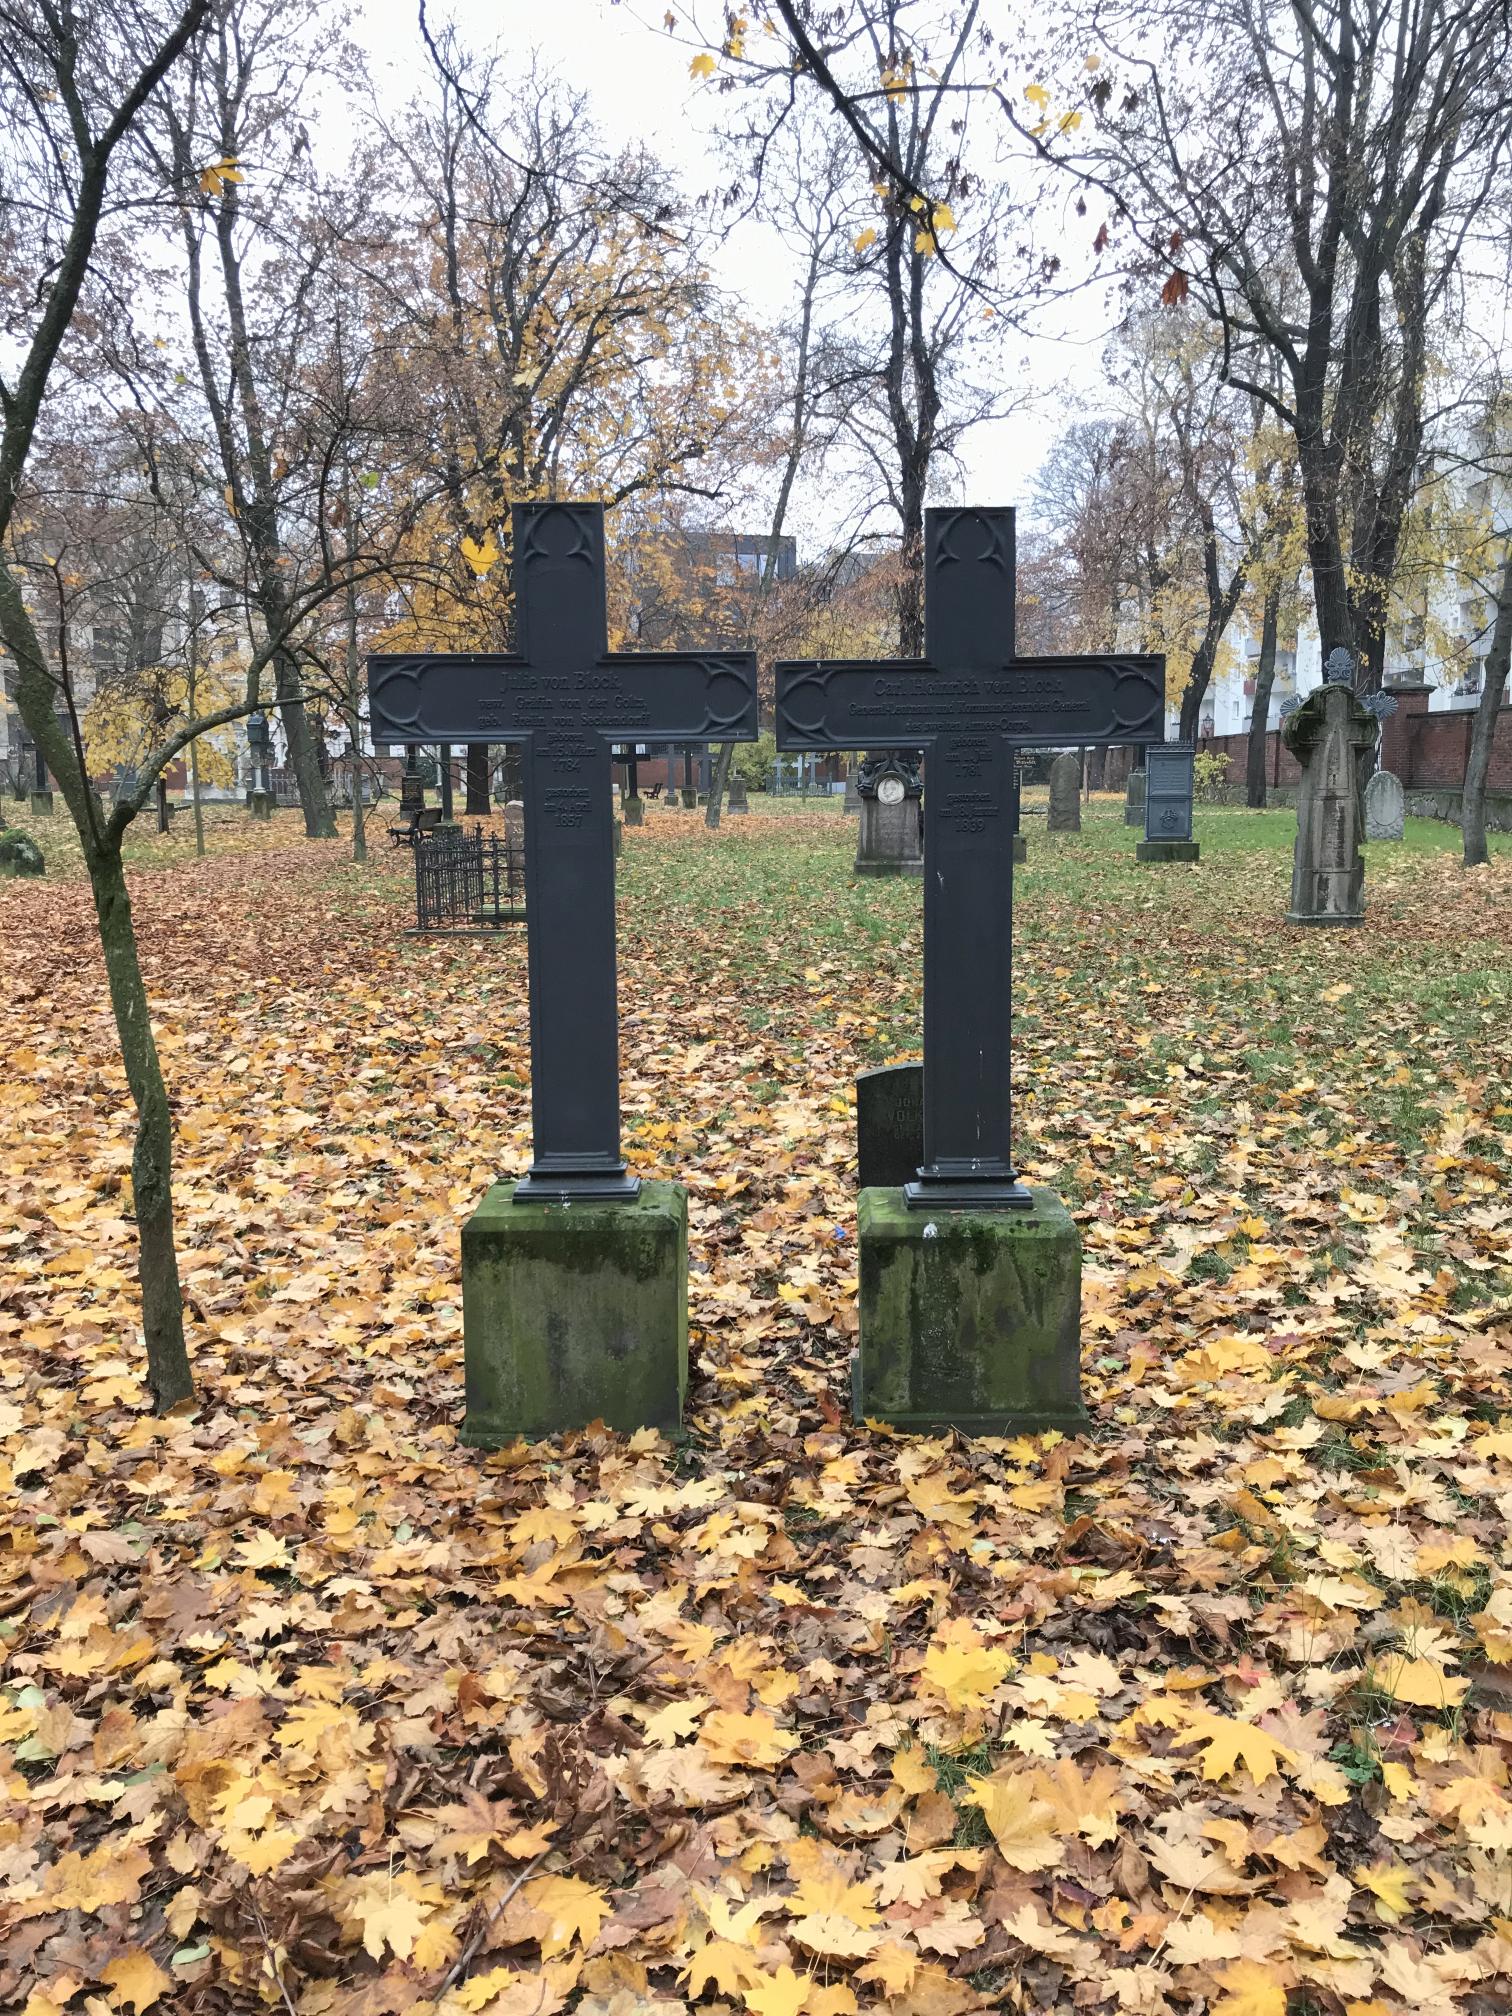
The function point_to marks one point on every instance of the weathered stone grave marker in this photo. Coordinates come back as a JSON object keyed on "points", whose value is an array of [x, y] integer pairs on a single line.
{"points": [[970, 1283], [736, 800], [1385, 807], [889, 1126], [1169, 771], [890, 839], [1065, 795], [1330, 735], [574, 1279], [1134, 797]]}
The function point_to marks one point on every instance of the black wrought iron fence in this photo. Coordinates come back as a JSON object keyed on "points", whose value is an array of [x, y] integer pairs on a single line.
{"points": [[468, 882]]}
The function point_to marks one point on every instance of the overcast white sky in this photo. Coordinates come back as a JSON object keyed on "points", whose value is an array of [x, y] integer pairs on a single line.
{"points": [[638, 82]]}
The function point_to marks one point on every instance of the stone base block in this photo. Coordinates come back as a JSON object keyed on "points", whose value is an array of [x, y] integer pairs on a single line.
{"points": [[1339, 919], [969, 1319], [690, 801], [574, 1313], [1020, 850], [260, 804], [635, 812], [889, 867], [1167, 850], [42, 804]]}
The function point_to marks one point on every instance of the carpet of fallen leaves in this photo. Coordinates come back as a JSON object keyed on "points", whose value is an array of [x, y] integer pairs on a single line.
{"points": [[305, 1707]]}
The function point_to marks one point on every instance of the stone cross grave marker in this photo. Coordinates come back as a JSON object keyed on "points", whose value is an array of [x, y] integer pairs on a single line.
{"points": [[566, 698], [1330, 735], [969, 703], [574, 1280]]}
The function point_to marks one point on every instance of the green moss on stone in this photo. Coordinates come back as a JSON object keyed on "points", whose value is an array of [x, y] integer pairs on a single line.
{"points": [[574, 1313], [970, 1319]]}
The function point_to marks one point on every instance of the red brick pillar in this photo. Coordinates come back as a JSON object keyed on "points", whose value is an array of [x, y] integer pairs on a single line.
{"points": [[1398, 737]]}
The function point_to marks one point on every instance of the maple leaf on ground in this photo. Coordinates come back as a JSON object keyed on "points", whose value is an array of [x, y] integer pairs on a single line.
{"points": [[1021, 1824], [136, 1979], [730, 1968], [963, 1669], [781, 1994], [1030, 1930], [1231, 1743], [1252, 1988], [389, 1914], [727, 1738], [563, 1908]]}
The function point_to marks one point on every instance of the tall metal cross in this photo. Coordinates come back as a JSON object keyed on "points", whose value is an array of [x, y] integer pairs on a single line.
{"points": [[968, 703], [566, 698]]}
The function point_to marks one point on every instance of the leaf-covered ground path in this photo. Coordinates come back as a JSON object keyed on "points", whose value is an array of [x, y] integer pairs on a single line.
{"points": [[305, 1707]]}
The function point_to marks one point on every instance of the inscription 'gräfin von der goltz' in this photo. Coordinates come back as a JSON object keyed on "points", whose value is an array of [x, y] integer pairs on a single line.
{"points": [[566, 698], [969, 703]]}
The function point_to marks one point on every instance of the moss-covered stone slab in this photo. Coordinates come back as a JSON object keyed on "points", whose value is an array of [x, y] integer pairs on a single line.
{"points": [[574, 1313], [1168, 850], [969, 1319], [20, 854]]}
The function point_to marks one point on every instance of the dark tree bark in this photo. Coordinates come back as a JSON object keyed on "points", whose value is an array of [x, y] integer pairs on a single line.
{"points": [[99, 110], [1265, 679], [1222, 600], [1498, 663], [476, 805]]}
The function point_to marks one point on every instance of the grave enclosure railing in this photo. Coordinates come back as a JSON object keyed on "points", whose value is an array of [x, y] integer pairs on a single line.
{"points": [[468, 882]]}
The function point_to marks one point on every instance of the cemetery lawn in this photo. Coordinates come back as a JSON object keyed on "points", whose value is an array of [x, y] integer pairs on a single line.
{"points": [[305, 1707]]}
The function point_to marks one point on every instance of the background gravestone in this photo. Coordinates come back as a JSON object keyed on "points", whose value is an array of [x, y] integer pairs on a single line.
{"points": [[889, 1126], [852, 793], [1168, 805], [1134, 798], [1330, 735], [19, 854], [1065, 795], [891, 839], [736, 800], [1385, 807]]}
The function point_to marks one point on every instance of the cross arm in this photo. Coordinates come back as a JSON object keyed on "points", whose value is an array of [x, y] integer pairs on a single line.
{"points": [[441, 697], [682, 696], [908, 703], [468, 696]]}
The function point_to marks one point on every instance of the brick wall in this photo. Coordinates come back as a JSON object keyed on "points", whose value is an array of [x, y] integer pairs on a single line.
{"points": [[1426, 751]]}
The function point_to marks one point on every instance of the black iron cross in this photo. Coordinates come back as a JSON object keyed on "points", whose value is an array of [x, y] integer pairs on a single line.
{"points": [[567, 698], [968, 703]]}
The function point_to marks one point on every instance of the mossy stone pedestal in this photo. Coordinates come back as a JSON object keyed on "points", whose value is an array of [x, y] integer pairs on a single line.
{"points": [[42, 804], [260, 804], [1167, 850], [635, 811], [690, 801], [574, 1313], [1020, 850], [969, 1319]]}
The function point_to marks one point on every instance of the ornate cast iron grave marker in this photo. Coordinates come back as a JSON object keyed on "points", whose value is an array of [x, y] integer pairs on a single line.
{"points": [[566, 698], [969, 703]]}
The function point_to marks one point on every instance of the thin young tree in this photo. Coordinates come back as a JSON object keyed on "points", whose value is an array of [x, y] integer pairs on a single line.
{"points": [[74, 87]]}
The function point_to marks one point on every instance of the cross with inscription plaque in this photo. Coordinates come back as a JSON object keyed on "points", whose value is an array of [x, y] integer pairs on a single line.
{"points": [[566, 698], [969, 703]]}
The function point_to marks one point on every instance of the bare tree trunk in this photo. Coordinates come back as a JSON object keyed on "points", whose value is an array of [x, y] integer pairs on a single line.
{"points": [[476, 806], [1498, 663], [718, 778], [1265, 679], [353, 698], [168, 1372]]}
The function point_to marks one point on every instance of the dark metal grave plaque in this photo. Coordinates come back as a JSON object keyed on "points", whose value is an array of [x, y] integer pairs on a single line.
{"points": [[566, 699], [889, 1126], [1168, 791], [968, 703]]}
